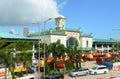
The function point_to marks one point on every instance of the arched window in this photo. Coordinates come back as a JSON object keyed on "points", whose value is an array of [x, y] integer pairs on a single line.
{"points": [[72, 42]]}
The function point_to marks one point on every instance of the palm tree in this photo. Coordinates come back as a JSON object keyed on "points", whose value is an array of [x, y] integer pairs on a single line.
{"points": [[70, 53], [57, 50]]}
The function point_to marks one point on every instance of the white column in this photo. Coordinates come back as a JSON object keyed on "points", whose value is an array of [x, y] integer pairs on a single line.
{"points": [[108, 48], [102, 47], [33, 53], [95, 46]]}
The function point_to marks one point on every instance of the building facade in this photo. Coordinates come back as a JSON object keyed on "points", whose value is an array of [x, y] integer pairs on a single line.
{"points": [[71, 37], [66, 36], [104, 45]]}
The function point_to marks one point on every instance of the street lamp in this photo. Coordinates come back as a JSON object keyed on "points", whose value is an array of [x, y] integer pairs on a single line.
{"points": [[44, 40], [13, 62], [37, 23]]}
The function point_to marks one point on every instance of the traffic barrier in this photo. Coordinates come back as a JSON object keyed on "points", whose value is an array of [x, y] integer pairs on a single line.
{"points": [[116, 66]]}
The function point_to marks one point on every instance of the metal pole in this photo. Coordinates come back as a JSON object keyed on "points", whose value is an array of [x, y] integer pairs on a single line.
{"points": [[44, 42], [39, 48], [44, 48], [38, 60]]}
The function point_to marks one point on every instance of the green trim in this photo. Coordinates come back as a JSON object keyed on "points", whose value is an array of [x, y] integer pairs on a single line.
{"points": [[53, 32], [86, 48]]}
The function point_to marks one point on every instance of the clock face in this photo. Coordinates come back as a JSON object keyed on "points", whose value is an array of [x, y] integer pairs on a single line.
{"points": [[62, 22]]}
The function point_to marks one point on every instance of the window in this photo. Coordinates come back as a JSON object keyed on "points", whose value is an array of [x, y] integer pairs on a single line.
{"points": [[102, 68], [31, 78], [87, 44]]}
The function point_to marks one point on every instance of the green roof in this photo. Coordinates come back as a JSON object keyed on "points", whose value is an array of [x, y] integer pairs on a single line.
{"points": [[13, 37], [105, 40], [9, 35], [53, 32]]}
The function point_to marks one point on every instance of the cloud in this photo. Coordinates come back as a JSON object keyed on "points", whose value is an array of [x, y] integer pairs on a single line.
{"points": [[23, 12], [61, 5], [12, 31]]}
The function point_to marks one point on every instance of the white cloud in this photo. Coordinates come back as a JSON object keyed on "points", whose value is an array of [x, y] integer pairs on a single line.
{"points": [[22, 12], [13, 31], [62, 4]]}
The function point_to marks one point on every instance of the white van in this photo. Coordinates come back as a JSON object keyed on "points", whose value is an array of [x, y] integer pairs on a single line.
{"points": [[27, 77], [99, 69]]}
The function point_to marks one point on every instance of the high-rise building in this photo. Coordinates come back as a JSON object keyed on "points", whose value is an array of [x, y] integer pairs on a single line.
{"points": [[25, 31]]}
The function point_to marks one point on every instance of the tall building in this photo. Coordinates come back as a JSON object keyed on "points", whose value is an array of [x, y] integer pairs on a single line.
{"points": [[25, 31]]}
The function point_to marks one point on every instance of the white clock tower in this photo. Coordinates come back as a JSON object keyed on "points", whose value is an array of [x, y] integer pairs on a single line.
{"points": [[60, 22]]}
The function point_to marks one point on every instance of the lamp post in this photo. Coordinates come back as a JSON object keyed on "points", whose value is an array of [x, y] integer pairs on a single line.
{"points": [[38, 24], [44, 40], [13, 62]]}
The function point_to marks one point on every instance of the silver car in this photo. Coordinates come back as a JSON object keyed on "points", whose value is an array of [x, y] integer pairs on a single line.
{"points": [[78, 72], [99, 69]]}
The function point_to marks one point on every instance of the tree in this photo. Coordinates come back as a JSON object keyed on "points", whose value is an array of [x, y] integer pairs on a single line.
{"points": [[23, 45], [26, 58], [74, 55], [7, 50], [70, 52], [57, 50], [116, 47]]}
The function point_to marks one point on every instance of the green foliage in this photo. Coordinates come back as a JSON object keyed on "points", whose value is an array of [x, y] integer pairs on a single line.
{"points": [[3, 43], [26, 58], [116, 46], [57, 50], [47, 68], [69, 66], [23, 45], [7, 50], [19, 74], [13, 75]]}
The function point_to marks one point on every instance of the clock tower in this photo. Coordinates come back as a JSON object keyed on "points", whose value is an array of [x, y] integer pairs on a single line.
{"points": [[60, 22]]}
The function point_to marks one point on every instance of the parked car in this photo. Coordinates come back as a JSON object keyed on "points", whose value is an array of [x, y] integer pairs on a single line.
{"points": [[32, 69], [54, 76], [79, 71], [99, 70]]}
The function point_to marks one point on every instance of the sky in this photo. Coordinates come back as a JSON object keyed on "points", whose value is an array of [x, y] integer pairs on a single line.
{"points": [[99, 17]]}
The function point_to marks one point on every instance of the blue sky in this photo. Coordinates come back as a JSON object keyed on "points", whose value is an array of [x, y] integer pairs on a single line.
{"points": [[98, 17]]}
